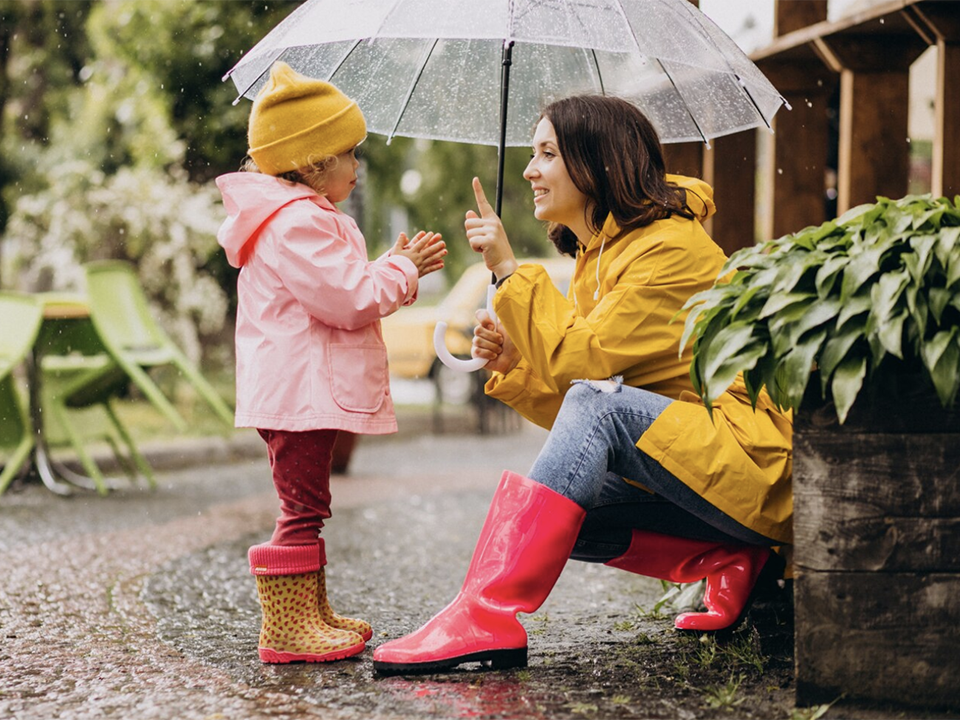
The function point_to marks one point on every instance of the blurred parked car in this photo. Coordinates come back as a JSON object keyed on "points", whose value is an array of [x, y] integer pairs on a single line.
{"points": [[408, 333]]}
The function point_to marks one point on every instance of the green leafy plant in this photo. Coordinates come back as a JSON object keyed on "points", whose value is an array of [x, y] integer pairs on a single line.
{"points": [[879, 285]]}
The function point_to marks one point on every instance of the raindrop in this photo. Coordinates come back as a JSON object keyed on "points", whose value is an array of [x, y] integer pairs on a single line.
{"points": [[908, 141], [883, 21], [779, 171], [809, 104]]}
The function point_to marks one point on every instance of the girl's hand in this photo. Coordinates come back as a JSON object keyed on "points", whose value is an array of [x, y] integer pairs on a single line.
{"points": [[491, 342], [487, 236], [426, 251]]}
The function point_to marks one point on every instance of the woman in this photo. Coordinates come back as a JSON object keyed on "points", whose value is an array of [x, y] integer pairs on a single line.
{"points": [[634, 473]]}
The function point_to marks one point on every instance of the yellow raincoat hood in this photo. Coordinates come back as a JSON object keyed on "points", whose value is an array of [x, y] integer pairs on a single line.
{"points": [[617, 320]]}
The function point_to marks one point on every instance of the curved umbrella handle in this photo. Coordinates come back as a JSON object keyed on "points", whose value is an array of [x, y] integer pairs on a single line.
{"points": [[440, 340]]}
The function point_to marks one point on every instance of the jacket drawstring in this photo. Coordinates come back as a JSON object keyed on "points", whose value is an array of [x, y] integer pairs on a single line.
{"points": [[596, 293]]}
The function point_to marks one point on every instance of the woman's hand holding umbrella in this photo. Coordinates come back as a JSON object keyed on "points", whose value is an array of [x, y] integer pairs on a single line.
{"points": [[492, 343], [487, 236]]}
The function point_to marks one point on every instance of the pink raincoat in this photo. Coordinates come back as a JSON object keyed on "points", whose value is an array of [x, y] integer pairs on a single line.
{"points": [[310, 354]]}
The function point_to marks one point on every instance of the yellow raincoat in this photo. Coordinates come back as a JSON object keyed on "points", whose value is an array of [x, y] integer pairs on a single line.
{"points": [[741, 460]]}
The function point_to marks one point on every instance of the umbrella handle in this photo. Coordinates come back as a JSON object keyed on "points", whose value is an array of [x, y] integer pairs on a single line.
{"points": [[440, 339]]}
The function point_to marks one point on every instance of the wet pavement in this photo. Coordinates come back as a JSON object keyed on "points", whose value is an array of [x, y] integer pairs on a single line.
{"points": [[139, 604]]}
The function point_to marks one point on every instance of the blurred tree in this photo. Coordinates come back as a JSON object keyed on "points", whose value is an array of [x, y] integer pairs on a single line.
{"points": [[42, 46], [186, 47]]}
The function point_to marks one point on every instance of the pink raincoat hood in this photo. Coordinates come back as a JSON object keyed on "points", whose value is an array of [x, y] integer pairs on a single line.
{"points": [[251, 199]]}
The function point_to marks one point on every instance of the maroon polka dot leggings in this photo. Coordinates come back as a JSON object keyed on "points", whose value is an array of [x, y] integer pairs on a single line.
{"points": [[300, 462]]}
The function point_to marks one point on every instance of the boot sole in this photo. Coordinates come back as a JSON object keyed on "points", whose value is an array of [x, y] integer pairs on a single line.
{"points": [[277, 657], [491, 659]]}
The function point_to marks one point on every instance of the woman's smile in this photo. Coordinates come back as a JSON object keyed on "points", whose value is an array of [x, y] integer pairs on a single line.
{"points": [[555, 196]]}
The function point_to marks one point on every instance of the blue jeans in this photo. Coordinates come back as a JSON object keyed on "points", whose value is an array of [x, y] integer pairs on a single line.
{"points": [[589, 452]]}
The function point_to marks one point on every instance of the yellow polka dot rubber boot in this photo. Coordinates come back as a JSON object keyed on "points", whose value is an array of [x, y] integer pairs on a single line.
{"points": [[293, 629], [360, 627]]}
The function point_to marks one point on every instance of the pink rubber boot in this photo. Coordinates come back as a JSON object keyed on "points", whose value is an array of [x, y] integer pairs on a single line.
{"points": [[523, 547], [731, 572]]}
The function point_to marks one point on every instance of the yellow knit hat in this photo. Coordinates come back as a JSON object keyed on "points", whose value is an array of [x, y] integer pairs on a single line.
{"points": [[296, 121]]}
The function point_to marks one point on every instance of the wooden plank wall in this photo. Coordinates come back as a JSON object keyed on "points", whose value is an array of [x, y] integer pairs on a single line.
{"points": [[877, 554]]}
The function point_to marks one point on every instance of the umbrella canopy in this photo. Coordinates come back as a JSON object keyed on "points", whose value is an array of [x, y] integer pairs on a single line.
{"points": [[433, 68]]}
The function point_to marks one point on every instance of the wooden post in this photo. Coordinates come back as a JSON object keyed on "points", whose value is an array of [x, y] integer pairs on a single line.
{"points": [[684, 158], [801, 142], [943, 25], [730, 166], [797, 162], [874, 155]]}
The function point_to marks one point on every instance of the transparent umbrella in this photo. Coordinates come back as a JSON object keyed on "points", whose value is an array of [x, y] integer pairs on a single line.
{"points": [[479, 71], [435, 68]]}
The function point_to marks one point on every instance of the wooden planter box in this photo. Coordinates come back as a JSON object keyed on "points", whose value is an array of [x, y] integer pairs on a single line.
{"points": [[877, 551]]}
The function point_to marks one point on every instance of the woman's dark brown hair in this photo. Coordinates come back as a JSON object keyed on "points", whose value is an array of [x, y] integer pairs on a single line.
{"points": [[613, 155]]}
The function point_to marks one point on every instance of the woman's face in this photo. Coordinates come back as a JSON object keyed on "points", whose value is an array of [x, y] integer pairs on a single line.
{"points": [[341, 179], [555, 197]]}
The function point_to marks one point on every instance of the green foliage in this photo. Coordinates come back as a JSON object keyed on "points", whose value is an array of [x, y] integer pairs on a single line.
{"points": [[182, 49], [880, 282]]}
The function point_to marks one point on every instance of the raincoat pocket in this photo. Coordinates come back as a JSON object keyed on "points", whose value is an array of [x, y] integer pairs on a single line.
{"points": [[358, 376]]}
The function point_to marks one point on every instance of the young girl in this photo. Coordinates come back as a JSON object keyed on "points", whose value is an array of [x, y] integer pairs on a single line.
{"points": [[310, 356]]}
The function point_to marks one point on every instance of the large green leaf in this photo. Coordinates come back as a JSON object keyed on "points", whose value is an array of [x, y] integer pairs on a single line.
{"points": [[796, 368], [836, 348], [890, 334], [726, 344], [829, 272], [934, 349], [886, 295], [777, 302], [942, 358], [953, 266], [853, 307], [847, 381], [947, 240], [721, 378], [939, 299], [860, 269]]}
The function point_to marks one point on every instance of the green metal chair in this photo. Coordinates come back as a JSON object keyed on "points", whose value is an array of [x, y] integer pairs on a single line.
{"points": [[20, 317], [78, 382], [121, 315]]}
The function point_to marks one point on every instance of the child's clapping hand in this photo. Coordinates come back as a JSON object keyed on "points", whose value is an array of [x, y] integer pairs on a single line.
{"points": [[426, 250]]}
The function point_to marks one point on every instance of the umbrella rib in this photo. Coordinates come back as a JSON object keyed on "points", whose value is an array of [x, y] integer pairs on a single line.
{"points": [[263, 72], [342, 60], [695, 13], [633, 34], [596, 64], [413, 86], [684, 101], [746, 91]]}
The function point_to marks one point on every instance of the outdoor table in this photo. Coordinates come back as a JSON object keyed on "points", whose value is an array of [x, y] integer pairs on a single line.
{"points": [[66, 327]]}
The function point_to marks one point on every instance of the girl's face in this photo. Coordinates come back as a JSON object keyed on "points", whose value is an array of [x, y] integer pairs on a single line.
{"points": [[341, 179], [555, 197]]}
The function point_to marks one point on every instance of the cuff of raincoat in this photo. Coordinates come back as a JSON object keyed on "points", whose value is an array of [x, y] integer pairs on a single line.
{"points": [[510, 386], [409, 270]]}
